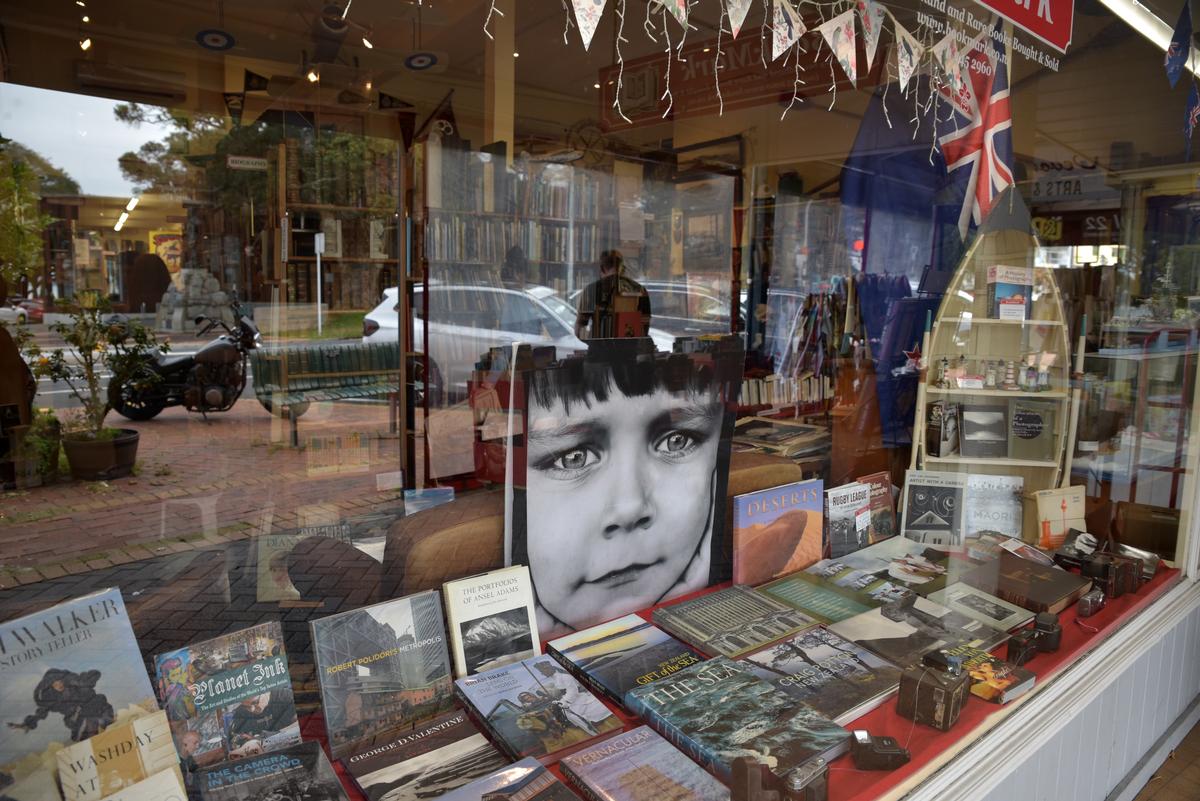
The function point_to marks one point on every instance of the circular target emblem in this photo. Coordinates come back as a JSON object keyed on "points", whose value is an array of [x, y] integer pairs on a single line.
{"points": [[421, 61], [214, 39]]}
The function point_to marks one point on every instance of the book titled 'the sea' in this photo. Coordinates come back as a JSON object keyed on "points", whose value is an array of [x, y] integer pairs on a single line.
{"points": [[640, 765]]}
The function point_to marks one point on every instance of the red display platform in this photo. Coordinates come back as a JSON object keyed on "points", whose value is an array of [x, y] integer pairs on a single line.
{"points": [[925, 744]]}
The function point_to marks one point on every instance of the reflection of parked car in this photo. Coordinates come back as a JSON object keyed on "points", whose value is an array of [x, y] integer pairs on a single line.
{"points": [[13, 314], [684, 310], [35, 309]]}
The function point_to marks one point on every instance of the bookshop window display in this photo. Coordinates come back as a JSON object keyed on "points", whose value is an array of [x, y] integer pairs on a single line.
{"points": [[604, 399]]}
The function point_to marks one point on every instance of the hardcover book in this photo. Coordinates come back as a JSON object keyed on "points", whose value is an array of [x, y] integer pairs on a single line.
{"points": [[297, 773], [229, 697], [121, 755], [883, 508], [719, 710], [941, 429], [640, 765], [492, 619], [983, 431], [1031, 430], [933, 507], [382, 667], [989, 610], [1059, 511], [732, 621], [615, 657], [527, 780], [166, 785], [66, 674], [1028, 584], [820, 600], [888, 571], [776, 531], [1009, 291], [425, 762], [839, 679], [904, 631], [994, 504], [992, 678], [848, 509], [535, 708]]}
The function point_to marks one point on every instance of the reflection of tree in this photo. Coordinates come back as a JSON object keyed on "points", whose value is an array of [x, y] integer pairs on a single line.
{"points": [[21, 220]]}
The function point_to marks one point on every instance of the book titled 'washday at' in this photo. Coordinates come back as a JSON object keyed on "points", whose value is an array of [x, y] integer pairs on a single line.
{"points": [[300, 772], [67, 674], [640, 765], [121, 755]]}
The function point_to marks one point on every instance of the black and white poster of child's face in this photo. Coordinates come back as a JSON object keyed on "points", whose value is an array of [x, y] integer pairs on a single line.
{"points": [[623, 491]]}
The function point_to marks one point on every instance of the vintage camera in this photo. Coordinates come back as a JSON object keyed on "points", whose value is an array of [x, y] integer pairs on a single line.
{"points": [[1048, 632], [943, 661], [1022, 647], [1091, 603], [1129, 572], [876, 753], [1101, 568], [932, 695], [809, 782]]}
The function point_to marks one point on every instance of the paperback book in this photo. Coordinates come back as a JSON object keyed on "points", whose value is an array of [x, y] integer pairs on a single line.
{"points": [[1009, 291], [527, 780], [883, 508], [382, 667], [820, 600], [166, 785], [776, 531], [1031, 430], [994, 504], [425, 762], [67, 673], [992, 678], [989, 610], [732, 621], [1059, 511], [888, 571], [941, 429], [719, 710], [120, 756], [836, 677], [229, 697], [1028, 584], [983, 431], [848, 509], [640, 765], [492, 619], [535, 708], [617, 656], [933, 507], [297, 773]]}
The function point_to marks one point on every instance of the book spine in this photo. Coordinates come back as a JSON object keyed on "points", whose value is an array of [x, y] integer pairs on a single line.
{"points": [[589, 680], [677, 737], [589, 792]]}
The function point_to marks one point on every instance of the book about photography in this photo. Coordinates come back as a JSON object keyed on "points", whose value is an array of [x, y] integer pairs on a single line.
{"points": [[617, 656], [989, 610], [993, 504], [983, 431], [776, 531], [719, 710], [297, 773], [492, 619], [1059, 511], [535, 708], [848, 510], [67, 673], [640, 765], [527, 780], [933, 507], [425, 762], [731, 622], [820, 600], [1028, 584], [120, 756], [166, 785], [889, 571], [229, 697], [382, 667], [883, 507]]}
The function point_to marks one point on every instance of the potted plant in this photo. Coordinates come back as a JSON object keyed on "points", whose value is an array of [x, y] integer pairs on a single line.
{"points": [[124, 350]]}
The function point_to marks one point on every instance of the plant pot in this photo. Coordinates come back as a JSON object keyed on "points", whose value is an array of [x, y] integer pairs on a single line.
{"points": [[100, 460]]}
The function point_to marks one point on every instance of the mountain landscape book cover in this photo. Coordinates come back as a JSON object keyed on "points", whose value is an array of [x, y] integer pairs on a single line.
{"points": [[535, 708], [527, 780], [617, 656], [67, 673], [639, 765], [776, 531], [297, 773], [382, 667], [992, 678], [820, 600], [121, 755], [836, 677], [425, 762], [492, 620], [229, 697], [719, 710], [166, 785], [887, 571], [732, 621]]}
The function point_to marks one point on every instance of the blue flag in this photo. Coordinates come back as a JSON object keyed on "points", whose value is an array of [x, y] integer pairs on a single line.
{"points": [[1180, 47], [1193, 116]]}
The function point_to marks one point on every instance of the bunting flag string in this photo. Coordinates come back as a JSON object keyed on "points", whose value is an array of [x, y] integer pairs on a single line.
{"points": [[839, 35], [870, 17], [786, 28]]}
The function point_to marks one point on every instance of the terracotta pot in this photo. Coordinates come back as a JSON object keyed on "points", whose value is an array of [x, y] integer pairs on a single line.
{"points": [[103, 459]]}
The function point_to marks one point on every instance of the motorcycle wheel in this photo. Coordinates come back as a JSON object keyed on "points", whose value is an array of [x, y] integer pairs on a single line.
{"points": [[130, 404]]}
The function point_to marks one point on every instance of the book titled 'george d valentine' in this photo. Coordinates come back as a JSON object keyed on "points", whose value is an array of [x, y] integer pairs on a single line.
{"points": [[640, 765]]}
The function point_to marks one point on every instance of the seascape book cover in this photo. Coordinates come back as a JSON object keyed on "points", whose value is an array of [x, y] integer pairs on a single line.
{"points": [[732, 621], [848, 510], [904, 631], [121, 755], [933, 507], [229, 697], [776, 531], [166, 785], [491, 619], [297, 773], [66, 674], [718, 710], [382, 667], [536, 708], [883, 505], [989, 610], [617, 656], [822, 601], [836, 677], [431, 759], [992, 678], [527, 780], [888, 571], [639, 765], [993, 504]]}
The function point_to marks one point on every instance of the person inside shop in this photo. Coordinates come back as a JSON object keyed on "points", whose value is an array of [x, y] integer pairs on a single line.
{"points": [[614, 305]]}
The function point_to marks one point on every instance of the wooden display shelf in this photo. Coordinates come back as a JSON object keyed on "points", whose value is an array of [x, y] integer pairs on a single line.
{"points": [[995, 460], [998, 393]]}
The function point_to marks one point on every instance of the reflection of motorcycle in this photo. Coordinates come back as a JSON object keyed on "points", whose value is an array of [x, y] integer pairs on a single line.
{"points": [[210, 380]]}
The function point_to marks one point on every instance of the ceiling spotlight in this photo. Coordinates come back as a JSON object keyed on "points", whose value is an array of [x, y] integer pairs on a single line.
{"points": [[86, 44], [516, 54], [121, 221], [132, 204], [86, 18], [313, 76], [595, 86], [80, 3], [368, 84], [367, 43]]}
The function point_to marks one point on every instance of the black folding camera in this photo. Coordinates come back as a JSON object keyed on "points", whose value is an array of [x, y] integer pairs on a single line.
{"points": [[1022, 647], [876, 753], [1048, 632], [1101, 568]]}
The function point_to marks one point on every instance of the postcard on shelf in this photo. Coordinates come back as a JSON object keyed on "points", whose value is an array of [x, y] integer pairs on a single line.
{"points": [[1031, 430], [987, 609], [1059, 511], [527, 780], [1028, 584], [933, 507], [229, 697], [492, 619], [382, 667], [992, 678], [297, 773], [994, 504], [732, 621], [1009, 292], [639, 765], [719, 710], [983, 431], [426, 761], [535, 708], [839, 679], [617, 656], [848, 509], [883, 506], [776, 531], [67, 673], [166, 785], [121, 755], [889, 571]]}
